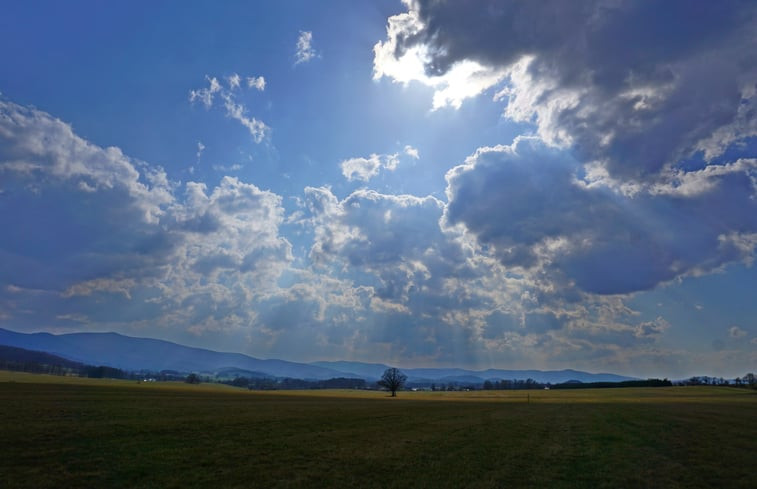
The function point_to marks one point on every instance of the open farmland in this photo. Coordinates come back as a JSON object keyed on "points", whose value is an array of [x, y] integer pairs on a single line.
{"points": [[57, 432]]}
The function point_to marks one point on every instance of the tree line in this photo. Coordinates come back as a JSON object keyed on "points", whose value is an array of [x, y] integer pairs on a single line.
{"points": [[571, 384], [749, 380], [288, 383]]}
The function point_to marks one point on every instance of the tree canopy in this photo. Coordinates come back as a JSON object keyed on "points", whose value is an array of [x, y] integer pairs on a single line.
{"points": [[392, 379]]}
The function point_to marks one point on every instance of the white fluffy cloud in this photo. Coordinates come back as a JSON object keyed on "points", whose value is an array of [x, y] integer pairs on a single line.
{"points": [[134, 248], [37, 147], [412, 152], [366, 168], [305, 51], [234, 81], [257, 82]]}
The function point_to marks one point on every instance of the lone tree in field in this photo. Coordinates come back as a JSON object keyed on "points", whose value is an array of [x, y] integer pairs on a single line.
{"points": [[393, 380]]}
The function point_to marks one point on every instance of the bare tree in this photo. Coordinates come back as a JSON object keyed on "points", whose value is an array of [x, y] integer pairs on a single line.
{"points": [[393, 380]]}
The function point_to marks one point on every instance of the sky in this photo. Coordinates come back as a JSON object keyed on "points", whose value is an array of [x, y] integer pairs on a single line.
{"points": [[492, 184]]}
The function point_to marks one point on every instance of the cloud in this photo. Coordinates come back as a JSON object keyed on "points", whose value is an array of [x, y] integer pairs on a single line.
{"points": [[736, 332], [652, 328], [234, 81], [258, 129], [397, 59], [234, 110], [634, 86], [391, 252], [429, 291], [399, 278], [528, 204], [412, 152], [206, 95], [305, 51], [115, 242], [200, 149], [37, 147], [366, 168], [227, 168], [641, 170], [256, 82]]}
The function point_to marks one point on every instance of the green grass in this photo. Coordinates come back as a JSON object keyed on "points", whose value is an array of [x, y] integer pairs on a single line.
{"points": [[67, 432]]}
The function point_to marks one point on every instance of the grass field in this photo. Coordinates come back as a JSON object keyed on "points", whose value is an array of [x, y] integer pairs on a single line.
{"points": [[68, 432]]}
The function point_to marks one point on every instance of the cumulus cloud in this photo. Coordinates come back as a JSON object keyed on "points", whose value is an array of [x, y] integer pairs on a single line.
{"points": [[383, 280], [366, 168], [37, 147], [234, 109], [234, 81], [528, 203], [651, 328], [256, 82], [117, 242], [736, 332], [305, 51], [418, 285], [412, 152], [636, 86], [601, 201], [396, 58], [426, 292]]}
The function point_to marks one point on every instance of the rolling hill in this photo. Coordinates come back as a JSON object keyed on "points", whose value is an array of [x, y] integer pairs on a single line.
{"points": [[129, 353]]}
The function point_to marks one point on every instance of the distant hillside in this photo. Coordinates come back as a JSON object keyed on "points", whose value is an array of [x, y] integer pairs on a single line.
{"points": [[368, 371], [11, 355], [373, 371], [128, 353], [234, 372]]}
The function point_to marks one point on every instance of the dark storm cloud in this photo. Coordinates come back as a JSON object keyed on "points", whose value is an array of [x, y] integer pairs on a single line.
{"points": [[528, 204], [636, 85]]}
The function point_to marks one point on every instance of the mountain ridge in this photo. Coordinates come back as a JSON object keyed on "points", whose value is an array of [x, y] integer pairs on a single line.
{"points": [[133, 353]]}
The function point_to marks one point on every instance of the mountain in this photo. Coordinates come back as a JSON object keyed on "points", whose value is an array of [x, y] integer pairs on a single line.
{"points": [[15, 355], [234, 372], [368, 371], [373, 371], [128, 353]]}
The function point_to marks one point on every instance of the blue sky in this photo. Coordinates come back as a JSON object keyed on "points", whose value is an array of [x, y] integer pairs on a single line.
{"points": [[516, 185]]}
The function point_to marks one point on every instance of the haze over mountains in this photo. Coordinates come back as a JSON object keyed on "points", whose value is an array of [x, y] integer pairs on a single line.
{"points": [[128, 353]]}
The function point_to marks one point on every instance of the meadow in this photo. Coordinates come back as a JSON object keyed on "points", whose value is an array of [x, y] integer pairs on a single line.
{"points": [[68, 432]]}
